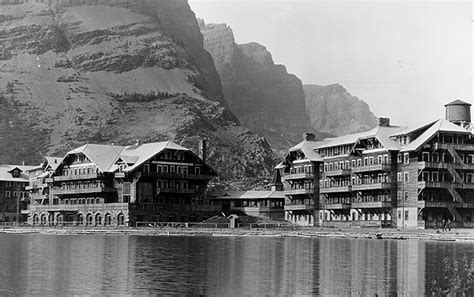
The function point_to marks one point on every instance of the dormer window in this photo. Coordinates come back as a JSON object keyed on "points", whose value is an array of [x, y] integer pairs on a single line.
{"points": [[16, 173]]}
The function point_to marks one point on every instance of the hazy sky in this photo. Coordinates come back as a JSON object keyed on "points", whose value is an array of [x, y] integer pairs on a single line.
{"points": [[406, 59]]}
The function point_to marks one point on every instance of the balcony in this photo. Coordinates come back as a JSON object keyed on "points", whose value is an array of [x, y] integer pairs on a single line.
{"points": [[304, 175], [369, 168], [437, 185], [337, 206], [58, 191], [335, 189], [368, 187], [340, 172], [79, 207], [434, 165], [372, 204], [458, 147], [299, 207], [443, 204], [35, 187], [299, 192], [169, 175], [93, 175]]}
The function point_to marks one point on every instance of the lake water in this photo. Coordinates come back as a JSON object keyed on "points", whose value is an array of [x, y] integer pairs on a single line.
{"points": [[223, 266]]}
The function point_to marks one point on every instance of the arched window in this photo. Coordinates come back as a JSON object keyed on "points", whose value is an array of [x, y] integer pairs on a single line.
{"points": [[120, 219]]}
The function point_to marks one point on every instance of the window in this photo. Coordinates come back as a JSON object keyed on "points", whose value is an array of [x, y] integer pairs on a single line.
{"points": [[399, 214], [7, 194], [353, 163], [399, 158], [399, 195], [435, 176], [197, 171], [172, 169], [406, 158], [379, 159], [425, 156], [146, 168], [399, 177], [406, 177], [359, 161], [406, 215], [371, 160], [385, 159], [126, 192], [406, 196], [366, 161], [159, 169]]}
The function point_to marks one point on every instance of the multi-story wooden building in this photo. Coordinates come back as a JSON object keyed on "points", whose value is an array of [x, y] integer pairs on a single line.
{"points": [[13, 196], [120, 185], [388, 176]]}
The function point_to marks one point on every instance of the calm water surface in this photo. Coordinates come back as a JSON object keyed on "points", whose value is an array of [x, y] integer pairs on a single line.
{"points": [[135, 265]]}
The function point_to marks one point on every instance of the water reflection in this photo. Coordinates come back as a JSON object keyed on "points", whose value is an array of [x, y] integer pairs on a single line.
{"points": [[65, 265]]}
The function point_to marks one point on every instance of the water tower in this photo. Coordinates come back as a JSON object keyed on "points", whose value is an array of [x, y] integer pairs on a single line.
{"points": [[459, 113]]}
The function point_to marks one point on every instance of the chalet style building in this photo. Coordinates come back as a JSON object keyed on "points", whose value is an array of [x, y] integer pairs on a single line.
{"points": [[108, 185], [389, 176], [13, 195]]}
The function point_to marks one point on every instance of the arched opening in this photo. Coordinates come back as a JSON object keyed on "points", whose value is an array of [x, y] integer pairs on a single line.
{"points": [[43, 219], [59, 219], [80, 219], [108, 219], [89, 219], [120, 219], [98, 219], [35, 220]]}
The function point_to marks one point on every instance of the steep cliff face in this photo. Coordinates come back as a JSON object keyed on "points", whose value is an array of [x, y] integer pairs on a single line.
{"points": [[263, 96], [335, 111], [114, 71]]}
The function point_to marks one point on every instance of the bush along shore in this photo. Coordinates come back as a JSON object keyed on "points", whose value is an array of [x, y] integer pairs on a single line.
{"points": [[465, 235]]}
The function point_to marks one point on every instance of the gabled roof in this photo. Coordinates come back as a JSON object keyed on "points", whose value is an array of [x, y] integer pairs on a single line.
{"points": [[104, 156], [307, 147], [441, 125], [381, 133], [147, 150], [5, 173], [53, 162]]}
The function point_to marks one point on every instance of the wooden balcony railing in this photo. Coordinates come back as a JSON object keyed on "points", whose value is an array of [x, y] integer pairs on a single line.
{"points": [[93, 175], [59, 191], [304, 175]]}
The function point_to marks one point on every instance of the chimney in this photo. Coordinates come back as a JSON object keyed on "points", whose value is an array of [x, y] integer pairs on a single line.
{"points": [[309, 136], [383, 122], [203, 150]]}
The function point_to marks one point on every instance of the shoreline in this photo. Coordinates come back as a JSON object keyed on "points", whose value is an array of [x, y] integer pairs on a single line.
{"points": [[455, 235]]}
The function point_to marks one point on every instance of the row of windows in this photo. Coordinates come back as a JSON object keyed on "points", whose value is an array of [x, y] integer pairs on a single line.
{"points": [[366, 161], [171, 169], [183, 184], [305, 185], [14, 194], [83, 201], [80, 171], [357, 217], [403, 177], [302, 169], [81, 185], [356, 180], [12, 184]]}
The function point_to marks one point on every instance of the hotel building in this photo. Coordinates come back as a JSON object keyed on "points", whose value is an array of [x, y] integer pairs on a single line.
{"points": [[389, 176], [108, 185]]}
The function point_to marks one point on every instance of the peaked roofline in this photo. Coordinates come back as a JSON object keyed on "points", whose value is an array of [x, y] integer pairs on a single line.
{"points": [[457, 102]]}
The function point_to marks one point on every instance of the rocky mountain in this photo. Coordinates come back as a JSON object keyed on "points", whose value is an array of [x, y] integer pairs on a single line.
{"points": [[104, 71], [264, 96], [335, 111]]}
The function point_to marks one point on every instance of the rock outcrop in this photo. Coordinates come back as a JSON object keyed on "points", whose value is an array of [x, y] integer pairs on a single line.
{"points": [[264, 96], [114, 71], [335, 111]]}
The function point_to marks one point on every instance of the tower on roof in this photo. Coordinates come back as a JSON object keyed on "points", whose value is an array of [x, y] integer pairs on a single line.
{"points": [[458, 112]]}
